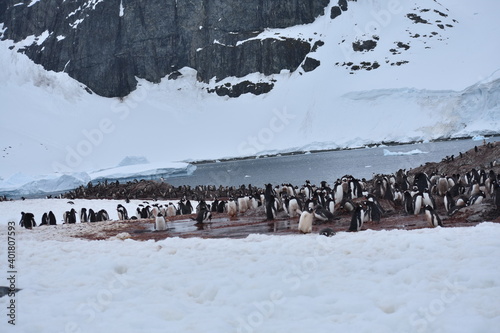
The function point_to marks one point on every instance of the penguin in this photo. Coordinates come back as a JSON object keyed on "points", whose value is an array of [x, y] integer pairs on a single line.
{"points": [[122, 212], [421, 181], [45, 219], [476, 199], [28, 220], [92, 216], [160, 223], [306, 221], [348, 205], [242, 204], [428, 199], [232, 209], [221, 207], [374, 213], [52, 218], [83, 215], [357, 219], [271, 207], [328, 232], [294, 208], [408, 202], [431, 217], [442, 186], [418, 200], [102, 215], [203, 215], [322, 214], [70, 216], [448, 201], [171, 210], [496, 195]]}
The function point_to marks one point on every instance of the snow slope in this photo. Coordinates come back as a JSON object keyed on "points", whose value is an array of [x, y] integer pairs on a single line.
{"points": [[427, 280], [448, 88]]}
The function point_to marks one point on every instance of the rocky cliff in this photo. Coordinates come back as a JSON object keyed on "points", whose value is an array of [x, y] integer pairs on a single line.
{"points": [[108, 44]]}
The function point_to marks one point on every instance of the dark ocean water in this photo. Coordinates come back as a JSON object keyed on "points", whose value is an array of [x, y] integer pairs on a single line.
{"points": [[328, 165]]}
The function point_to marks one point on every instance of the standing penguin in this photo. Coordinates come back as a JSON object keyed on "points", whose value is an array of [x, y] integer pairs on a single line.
{"points": [[448, 201], [232, 208], [432, 217], [122, 212], [45, 219], [357, 219], [408, 202], [160, 223], [306, 221], [418, 200], [428, 199], [28, 220], [52, 218], [83, 215], [203, 215]]}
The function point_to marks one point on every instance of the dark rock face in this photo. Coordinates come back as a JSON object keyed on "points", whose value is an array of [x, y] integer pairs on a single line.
{"points": [[310, 64], [366, 45], [107, 44]]}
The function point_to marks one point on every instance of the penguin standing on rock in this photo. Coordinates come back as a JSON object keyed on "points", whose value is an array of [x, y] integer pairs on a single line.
{"points": [[418, 200], [432, 217]]}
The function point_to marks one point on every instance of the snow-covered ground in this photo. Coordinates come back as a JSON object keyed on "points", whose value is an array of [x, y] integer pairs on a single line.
{"points": [[448, 88], [427, 280]]}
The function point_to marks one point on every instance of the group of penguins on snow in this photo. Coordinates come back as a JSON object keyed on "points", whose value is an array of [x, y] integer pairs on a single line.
{"points": [[319, 203]]}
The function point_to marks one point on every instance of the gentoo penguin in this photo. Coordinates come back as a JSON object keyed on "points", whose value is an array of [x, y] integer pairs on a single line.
{"points": [[271, 207], [306, 221], [122, 212], [357, 218], [242, 204], [432, 217], [328, 232], [408, 202], [102, 215], [83, 215], [171, 210], [52, 218], [28, 220], [70, 216], [45, 219], [160, 223], [322, 213], [373, 211], [92, 216], [476, 199], [428, 199], [294, 208], [221, 207], [448, 201], [232, 209], [203, 215], [442, 186], [418, 200]]}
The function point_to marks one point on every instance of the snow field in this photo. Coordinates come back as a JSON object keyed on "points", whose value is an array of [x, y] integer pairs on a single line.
{"points": [[427, 280]]}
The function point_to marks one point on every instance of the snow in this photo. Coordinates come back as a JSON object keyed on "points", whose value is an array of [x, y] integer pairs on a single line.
{"points": [[387, 152], [450, 87], [426, 280]]}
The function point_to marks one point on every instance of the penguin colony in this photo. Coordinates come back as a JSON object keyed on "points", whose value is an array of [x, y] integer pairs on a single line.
{"points": [[415, 193]]}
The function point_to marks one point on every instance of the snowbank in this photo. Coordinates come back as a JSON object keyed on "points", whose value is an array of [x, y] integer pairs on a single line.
{"points": [[427, 280]]}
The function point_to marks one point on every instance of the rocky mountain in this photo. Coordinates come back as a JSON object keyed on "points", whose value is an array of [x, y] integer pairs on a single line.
{"points": [[108, 45]]}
